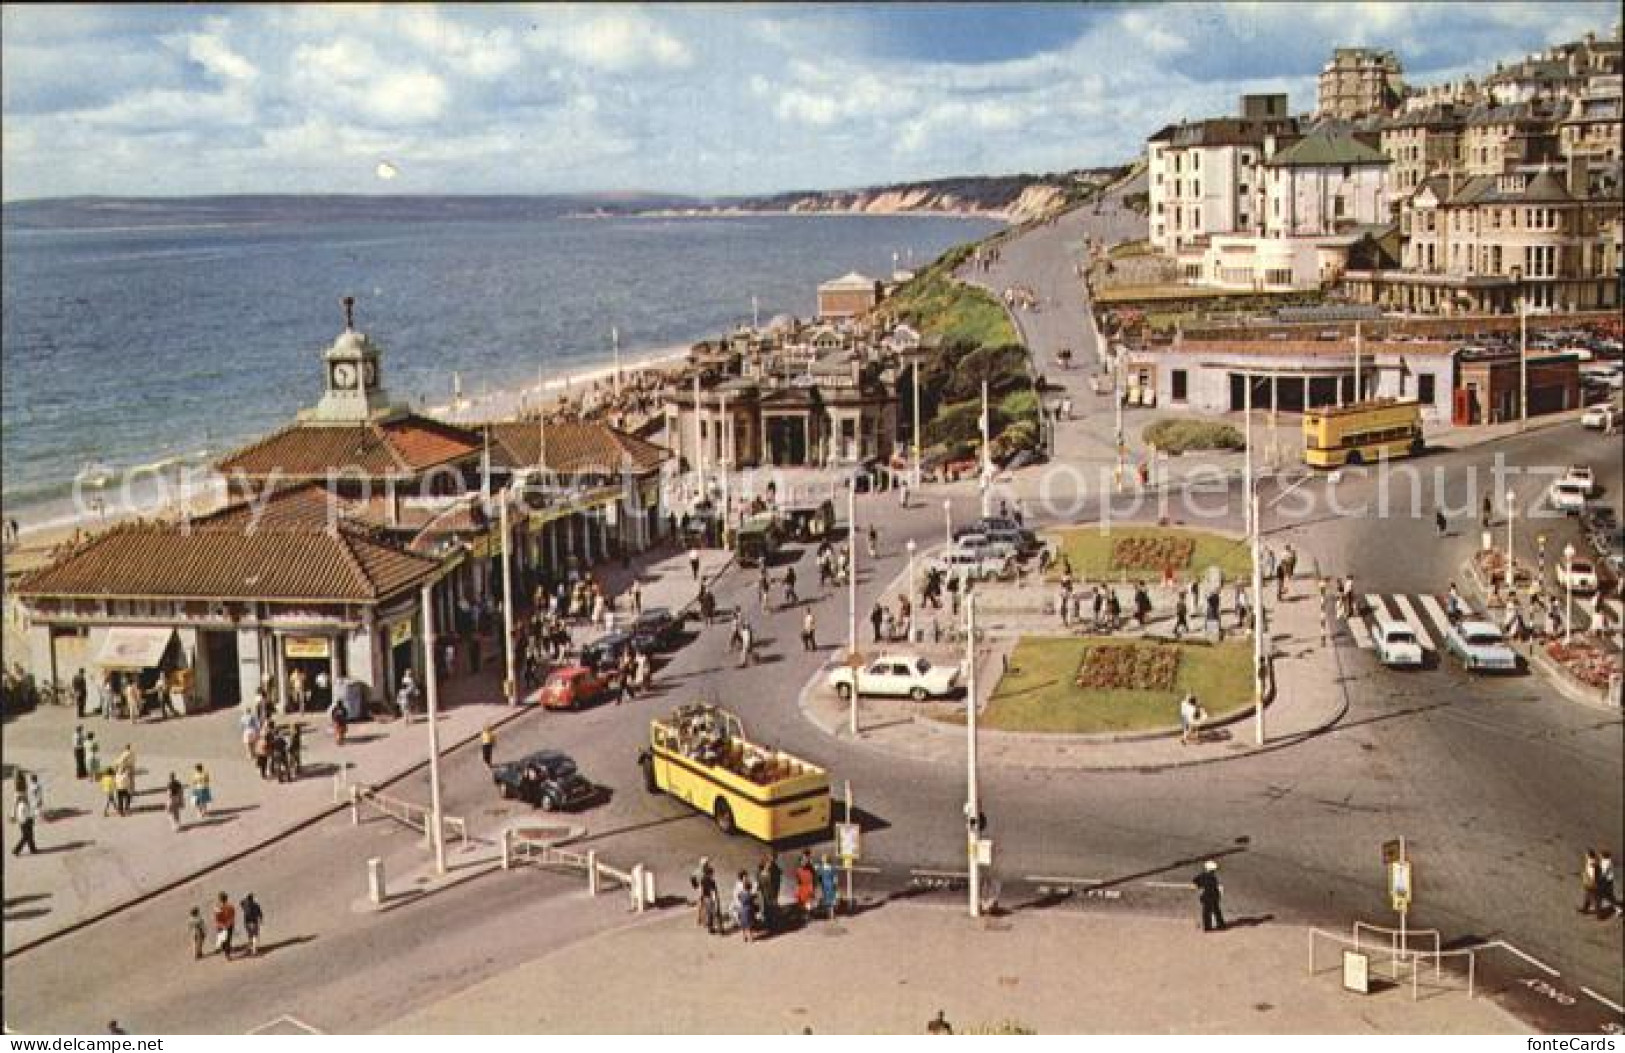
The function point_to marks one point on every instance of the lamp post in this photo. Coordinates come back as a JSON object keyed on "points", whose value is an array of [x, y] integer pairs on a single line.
{"points": [[437, 831], [852, 591], [916, 436], [973, 804], [1511, 497], [913, 607], [510, 687], [1568, 590], [725, 457], [947, 522]]}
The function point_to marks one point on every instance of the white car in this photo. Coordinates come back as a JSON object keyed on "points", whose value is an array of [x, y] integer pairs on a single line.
{"points": [[1567, 495], [1396, 645], [986, 544], [1480, 647], [1602, 418], [898, 675], [973, 564], [1582, 477], [1577, 575]]}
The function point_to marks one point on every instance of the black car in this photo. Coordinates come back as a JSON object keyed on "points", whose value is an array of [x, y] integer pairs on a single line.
{"points": [[654, 630], [547, 779], [605, 652]]}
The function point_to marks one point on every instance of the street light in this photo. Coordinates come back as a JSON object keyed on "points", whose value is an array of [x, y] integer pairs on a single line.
{"points": [[437, 833], [1511, 508], [1568, 589], [852, 591], [913, 607], [1523, 349], [510, 686], [947, 522]]}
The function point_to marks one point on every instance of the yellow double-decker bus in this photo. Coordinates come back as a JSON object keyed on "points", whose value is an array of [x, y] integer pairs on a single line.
{"points": [[1361, 433], [700, 756]]}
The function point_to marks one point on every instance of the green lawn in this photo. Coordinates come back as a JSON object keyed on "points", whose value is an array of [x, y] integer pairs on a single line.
{"points": [[1040, 693], [1090, 551]]}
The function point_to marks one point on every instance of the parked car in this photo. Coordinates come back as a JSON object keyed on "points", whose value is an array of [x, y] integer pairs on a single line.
{"points": [[1577, 575], [1480, 647], [547, 779], [983, 543], [605, 652], [1396, 645], [973, 564], [574, 686], [654, 630], [1023, 542], [1602, 418], [898, 675]]}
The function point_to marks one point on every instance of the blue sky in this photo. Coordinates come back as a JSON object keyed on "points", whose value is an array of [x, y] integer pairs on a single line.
{"points": [[703, 99]]}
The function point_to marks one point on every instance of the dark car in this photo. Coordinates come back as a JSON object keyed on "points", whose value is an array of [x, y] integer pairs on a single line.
{"points": [[654, 630], [605, 652], [547, 779]]}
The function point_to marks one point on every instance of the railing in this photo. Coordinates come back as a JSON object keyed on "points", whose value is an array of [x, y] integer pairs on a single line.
{"points": [[1400, 957], [407, 812], [639, 881]]}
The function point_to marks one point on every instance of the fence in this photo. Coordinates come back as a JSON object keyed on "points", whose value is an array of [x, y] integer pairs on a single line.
{"points": [[414, 815], [1402, 963], [639, 882]]}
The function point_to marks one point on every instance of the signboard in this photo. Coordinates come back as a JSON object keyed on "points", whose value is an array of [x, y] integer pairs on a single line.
{"points": [[400, 632], [307, 647], [848, 841], [984, 852], [1356, 972], [1399, 884]]}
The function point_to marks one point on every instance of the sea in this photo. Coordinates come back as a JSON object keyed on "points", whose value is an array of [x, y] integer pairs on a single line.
{"points": [[169, 332]]}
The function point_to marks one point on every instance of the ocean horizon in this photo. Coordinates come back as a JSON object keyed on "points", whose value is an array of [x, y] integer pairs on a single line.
{"points": [[172, 331]]}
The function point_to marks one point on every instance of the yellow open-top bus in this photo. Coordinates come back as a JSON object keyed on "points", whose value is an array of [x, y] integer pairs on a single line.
{"points": [[1361, 433], [700, 755]]}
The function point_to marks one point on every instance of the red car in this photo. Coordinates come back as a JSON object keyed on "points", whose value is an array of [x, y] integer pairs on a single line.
{"points": [[573, 686]]}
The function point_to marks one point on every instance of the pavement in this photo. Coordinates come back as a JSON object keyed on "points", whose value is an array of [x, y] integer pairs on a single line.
{"points": [[893, 969], [1307, 700], [90, 864]]}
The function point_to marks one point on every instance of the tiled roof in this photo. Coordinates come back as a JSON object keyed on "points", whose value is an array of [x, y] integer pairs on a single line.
{"points": [[573, 448], [270, 563], [405, 446], [304, 507], [1543, 187], [1225, 131], [1327, 148]]}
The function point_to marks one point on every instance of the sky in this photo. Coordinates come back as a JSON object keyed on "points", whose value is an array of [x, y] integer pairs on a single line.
{"points": [[137, 100]]}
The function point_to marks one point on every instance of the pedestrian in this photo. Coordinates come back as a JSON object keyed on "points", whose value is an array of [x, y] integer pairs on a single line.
{"points": [[1142, 604], [225, 925], [109, 786], [253, 917], [1588, 882], [296, 751], [340, 719], [1213, 625], [826, 886], [123, 787], [196, 930], [81, 695], [1242, 604], [1061, 604], [790, 597], [1439, 522], [1188, 710], [262, 750], [874, 542], [642, 671], [202, 795], [637, 599], [744, 907], [1182, 623], [772, 880], [1345, 598], [877, 616], [250, 724], [79, 770], [1607, 896], [747, 643], [22, 813], [1210, 893], [694, 562], [1484, 516], [809, 630], [174, 801], [488, 742], [805, 880]]}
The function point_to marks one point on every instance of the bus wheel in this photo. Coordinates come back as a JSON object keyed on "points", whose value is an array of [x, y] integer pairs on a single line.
{"points": [[844, 690], [647, 763], [1354, 457], [725, 817]]}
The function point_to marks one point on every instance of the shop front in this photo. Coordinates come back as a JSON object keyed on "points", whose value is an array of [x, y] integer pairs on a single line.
{"points": [[313, 667], [152, 657]]}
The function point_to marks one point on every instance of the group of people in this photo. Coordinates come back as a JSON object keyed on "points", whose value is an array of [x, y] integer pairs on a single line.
{"points": [[1100, 608], [755, 905], [1020, 296], [225, 918], [1597, 882], [894, 621]]}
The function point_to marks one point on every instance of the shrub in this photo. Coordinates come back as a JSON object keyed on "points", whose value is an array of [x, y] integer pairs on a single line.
{"points": [[1177, 435], [960, 422]]}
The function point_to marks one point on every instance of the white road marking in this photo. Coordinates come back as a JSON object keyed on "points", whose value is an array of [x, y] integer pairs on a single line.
{"points": [[1414, 620], [1532, 960], [1039, 878], [1361, 634], [290, 1021], [1615, 1006], [1435, 610]]}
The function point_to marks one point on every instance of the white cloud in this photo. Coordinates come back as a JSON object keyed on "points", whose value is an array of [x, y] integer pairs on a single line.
{"points": [[615, 39], [215, 55]]}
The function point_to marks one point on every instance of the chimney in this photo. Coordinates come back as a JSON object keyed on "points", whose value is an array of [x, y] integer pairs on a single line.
{"points": [[1579, 169]]}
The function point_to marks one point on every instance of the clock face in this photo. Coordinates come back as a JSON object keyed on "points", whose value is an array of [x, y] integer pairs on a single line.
{"points": [[344, 375], [369, 372]]}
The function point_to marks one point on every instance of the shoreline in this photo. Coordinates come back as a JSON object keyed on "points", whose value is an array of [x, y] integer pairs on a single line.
{"points": [[998, 216]]}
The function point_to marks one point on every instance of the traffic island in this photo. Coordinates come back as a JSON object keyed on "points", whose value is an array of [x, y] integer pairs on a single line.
{"points": [[1114, 553]]}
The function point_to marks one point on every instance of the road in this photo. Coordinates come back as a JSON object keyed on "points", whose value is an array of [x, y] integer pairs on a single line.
{"points": [[1498, 785]]}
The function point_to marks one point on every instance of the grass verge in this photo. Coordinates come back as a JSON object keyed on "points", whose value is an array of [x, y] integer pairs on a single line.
{"points": [[1089, 548]]}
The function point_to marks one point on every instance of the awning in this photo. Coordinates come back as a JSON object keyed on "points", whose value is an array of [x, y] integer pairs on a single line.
{"points": [[129, 647]]}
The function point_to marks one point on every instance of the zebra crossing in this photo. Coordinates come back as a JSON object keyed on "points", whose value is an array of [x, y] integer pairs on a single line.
{"points": [[1424, 613]]}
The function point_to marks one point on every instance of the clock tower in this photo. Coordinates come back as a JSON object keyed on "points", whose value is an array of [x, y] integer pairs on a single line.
{"points": [[354, 392]]}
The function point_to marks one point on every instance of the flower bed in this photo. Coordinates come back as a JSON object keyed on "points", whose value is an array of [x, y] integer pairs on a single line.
{"points": [[1585, 661], [1129, 668], [1152, 553]]}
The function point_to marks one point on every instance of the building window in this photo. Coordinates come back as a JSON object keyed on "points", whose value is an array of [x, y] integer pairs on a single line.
{"points": [[1339, 207], [1424, 388], [1180, 384]]}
